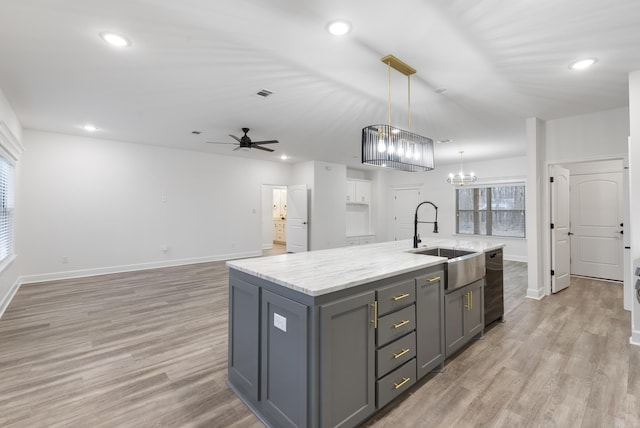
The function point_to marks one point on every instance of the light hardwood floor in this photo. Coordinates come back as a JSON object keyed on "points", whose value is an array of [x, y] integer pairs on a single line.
{"points": [[149, 349]]}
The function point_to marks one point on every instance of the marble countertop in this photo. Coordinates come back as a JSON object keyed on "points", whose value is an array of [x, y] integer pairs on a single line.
{"points": [[325, 271]]}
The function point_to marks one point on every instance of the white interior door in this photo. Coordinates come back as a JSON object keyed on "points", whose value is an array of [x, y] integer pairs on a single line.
{"points": [[596, 224], [405, 203], [297, 219], [560, 245]]}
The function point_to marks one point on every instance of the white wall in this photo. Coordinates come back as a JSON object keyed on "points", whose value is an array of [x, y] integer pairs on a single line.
{"points": [[434, 187], [634, 191], [110, 206], [587, 137], [596, 136], [10, 141], [330, 209]]}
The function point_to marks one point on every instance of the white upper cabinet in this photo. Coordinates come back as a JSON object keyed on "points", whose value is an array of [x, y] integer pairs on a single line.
{"points": [[358, 192]]}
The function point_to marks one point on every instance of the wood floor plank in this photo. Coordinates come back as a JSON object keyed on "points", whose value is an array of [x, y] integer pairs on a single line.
{"points": [[149, 349]]}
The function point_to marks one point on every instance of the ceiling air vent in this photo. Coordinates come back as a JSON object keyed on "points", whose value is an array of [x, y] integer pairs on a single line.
{"points": [[264, 93]]}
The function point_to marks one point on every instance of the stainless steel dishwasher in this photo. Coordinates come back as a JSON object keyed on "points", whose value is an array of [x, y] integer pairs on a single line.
{"points": [[493, 288]]}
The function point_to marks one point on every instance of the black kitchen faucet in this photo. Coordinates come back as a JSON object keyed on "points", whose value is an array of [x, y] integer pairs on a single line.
{"points": [[416, 237]]}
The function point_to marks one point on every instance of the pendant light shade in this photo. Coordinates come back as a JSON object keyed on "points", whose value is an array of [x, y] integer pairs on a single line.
{"points": [[391, 147]]}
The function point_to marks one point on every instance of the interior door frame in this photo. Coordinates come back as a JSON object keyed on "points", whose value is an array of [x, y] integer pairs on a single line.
{"points": [[264, 212], [546, 220]]}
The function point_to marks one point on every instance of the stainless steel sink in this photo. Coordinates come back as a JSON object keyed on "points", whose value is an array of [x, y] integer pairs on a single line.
{"points": [[463, 267]]}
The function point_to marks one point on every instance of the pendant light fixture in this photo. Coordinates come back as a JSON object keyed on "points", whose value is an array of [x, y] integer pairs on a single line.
{"points": [[391, 147], [460, 179]]}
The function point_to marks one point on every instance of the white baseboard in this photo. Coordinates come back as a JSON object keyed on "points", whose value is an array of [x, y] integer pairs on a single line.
{"points": [[635, 338], [30, 279], [535, 293], [4, 303], [513, 258]]}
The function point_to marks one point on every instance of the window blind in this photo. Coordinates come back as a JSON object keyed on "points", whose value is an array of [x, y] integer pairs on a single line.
{"points": [[6, 208]]}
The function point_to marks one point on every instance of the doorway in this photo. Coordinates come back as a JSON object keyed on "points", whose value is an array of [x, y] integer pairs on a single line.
{"points": [[596, 212], [274, 217]]}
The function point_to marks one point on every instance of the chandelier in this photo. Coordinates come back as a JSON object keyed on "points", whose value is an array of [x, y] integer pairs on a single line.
{"points": [[391, 147], [460, 179]]}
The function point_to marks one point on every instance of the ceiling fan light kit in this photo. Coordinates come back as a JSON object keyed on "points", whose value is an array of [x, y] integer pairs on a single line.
{"points": [[390, 147]]}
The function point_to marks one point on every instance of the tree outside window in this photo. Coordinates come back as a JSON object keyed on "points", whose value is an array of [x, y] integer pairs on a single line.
{"points": [[491, 211]]}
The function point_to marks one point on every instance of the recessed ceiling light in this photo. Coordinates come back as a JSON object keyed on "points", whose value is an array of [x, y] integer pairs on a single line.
{"points": [[339, 27], [284, 157], [115, 39], [583, 63], [89, 127]]}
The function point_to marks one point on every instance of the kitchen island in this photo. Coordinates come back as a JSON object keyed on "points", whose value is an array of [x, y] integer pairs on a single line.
{"points": [[326, 338]]}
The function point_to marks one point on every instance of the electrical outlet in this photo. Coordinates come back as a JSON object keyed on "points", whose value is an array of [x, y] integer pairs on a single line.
{"points": [[164, 249], [65, 259]]}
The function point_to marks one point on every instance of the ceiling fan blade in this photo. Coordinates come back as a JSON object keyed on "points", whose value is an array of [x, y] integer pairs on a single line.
{"points": [[265, 142], [262, 148], [235, 138], [219, 142]]}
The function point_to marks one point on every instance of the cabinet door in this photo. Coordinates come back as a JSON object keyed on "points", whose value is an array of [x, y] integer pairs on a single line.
{"points": [[351, 191], [347, 361], [363, 192], [430, 321], [454, 307], [284, 360], [474, 312], [244, 339]]}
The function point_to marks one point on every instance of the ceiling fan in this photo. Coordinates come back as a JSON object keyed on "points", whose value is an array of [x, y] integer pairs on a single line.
{"points": [[245, 142]]}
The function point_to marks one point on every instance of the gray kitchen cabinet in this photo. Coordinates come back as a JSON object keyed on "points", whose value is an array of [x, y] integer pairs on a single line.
{"points": [[464, 315], [395, 340], [331, 360], [244, 333], [347, 363], [283, 376], [430, 322]]}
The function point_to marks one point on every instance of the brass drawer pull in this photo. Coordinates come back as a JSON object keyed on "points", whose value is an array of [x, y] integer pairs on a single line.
{"points": [[435, 278], [400, 354], [401, 384], [401, 323], [374, 321], [471, 300], [400, 297]]}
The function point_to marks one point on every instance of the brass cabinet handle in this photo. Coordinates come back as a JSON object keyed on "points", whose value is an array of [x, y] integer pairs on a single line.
{"points": [[435, 278], [471, 300], [400, 354], [399, 385], [400, 297], [374, 321], [401, 323], [466, 303]]}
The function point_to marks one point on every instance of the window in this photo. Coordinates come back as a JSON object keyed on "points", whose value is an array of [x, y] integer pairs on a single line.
{"points": [[493, 211], [6, 208]]}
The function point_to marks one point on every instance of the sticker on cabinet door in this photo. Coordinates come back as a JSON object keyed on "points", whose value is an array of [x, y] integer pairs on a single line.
{"points": [[279, 322]]}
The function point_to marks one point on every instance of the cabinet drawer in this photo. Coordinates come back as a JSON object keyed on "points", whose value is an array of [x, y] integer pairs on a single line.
{"points": [[395, 325], [395, 354], [395, 296], [395, 383]]}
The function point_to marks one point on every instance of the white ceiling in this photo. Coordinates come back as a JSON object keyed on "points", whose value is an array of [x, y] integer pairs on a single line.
{"points": [[197, 65]]}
